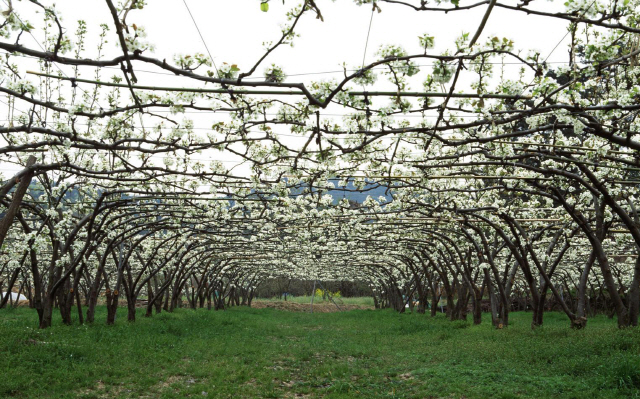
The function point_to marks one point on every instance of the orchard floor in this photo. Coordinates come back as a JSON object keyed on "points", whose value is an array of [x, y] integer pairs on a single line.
{"points": [[318, 307], [256, 353]]}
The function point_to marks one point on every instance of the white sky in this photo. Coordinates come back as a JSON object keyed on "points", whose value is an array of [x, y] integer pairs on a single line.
{"points": [[234, 31]]}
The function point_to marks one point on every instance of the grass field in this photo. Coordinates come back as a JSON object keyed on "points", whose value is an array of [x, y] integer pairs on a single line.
{"points": [[267, 353]]}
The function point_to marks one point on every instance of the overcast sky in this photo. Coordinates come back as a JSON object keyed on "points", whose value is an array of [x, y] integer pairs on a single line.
{"points": [[234, 30]]}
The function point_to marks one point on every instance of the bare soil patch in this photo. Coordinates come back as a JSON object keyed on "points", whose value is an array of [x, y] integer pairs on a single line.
{"points": [[305, 307]]}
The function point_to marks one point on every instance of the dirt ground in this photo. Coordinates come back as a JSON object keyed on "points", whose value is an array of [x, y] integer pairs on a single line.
{"points": [[325, 307]]}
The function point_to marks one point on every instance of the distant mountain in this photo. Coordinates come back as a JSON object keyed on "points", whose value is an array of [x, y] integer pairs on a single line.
{"points": [[350, 192]]}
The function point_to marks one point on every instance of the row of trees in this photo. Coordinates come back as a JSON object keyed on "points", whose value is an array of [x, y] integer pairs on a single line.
{"points": [[520, 193]]}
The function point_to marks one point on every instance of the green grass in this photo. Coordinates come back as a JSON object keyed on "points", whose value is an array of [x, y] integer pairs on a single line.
{"points": [[361, 300], [267, 353]]}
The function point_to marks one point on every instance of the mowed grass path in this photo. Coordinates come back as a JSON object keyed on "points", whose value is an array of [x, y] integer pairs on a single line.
{"points": [[251, 353]]}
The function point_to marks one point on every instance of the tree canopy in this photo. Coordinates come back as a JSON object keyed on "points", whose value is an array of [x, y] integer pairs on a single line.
{"points": [[517, 183]]}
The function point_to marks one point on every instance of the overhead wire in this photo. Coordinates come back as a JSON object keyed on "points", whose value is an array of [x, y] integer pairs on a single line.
{"points": [[202, 38], [324, 72]]}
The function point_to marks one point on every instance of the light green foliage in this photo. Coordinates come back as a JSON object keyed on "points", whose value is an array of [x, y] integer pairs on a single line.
{"points": [[274, 74], [365, 78], [228, 71], [320, 293], [426, 41], [442, 73]]}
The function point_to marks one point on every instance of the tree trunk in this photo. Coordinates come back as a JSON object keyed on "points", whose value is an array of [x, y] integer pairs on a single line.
{"points": [[65, 301], [434, 304], [496, 320], [79, 305], [634, 295], [477, 306], [23, 186], [582, 286], [621, 310], [112, 306], [12, 281], [131, 308], [91, 308], [47, 312]]}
